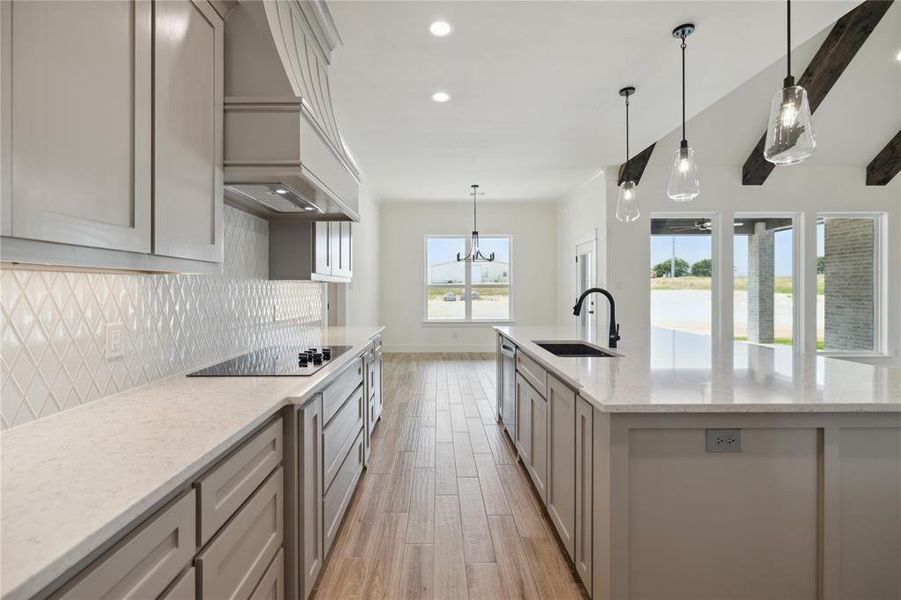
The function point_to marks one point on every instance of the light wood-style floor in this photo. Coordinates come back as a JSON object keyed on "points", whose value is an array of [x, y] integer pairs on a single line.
{"points": [[444, 510]]}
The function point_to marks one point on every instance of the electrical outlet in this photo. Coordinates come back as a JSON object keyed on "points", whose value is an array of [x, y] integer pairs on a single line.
{"points": [[724, 440], [115, 334]]}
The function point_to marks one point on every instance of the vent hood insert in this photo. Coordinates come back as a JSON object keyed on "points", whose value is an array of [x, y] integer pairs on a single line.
{"points": [[284, 155]]}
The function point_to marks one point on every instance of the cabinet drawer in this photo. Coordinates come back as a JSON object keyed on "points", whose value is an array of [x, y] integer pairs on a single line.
{"points": [[235, 561], [147, 561], [333, 396], [272, 585], [533, 372], [339, 435], [183, 589], [335, 501], [229, 484]]}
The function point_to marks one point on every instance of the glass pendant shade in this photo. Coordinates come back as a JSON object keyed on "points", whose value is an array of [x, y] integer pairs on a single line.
{"points": [[684, 184], [789, 136], [627, 209]]}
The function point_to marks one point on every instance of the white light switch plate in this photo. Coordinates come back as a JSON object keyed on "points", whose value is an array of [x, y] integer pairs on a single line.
{"points": [[115, 334]]}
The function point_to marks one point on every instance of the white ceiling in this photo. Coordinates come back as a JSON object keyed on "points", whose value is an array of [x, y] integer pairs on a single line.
{"points": [[534, 109]]}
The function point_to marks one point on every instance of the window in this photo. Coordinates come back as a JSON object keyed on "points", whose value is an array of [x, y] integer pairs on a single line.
{"points": [[682, 274], [463, 291], [763, 289], [848, 283]]}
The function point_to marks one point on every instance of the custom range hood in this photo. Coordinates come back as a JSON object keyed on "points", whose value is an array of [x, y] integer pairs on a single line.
{"points": [[284, 156]]}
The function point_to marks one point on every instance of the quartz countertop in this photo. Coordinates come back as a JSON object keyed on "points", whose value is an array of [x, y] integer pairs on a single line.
{"points": [[681, 372], [73, 480]]}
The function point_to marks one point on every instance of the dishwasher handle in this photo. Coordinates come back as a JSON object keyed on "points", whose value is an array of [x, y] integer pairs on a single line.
{"points": [[508, 350]]}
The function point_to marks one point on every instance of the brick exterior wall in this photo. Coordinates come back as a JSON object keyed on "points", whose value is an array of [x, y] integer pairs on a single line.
{"points": [[850, 256], [761, 267]]}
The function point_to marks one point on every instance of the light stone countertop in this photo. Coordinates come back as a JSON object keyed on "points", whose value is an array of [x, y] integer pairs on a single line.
{"points": [[73, 480], [679, 372]]}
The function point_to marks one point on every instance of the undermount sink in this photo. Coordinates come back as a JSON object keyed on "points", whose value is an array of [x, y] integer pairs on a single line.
{"points": [[573, 349]]}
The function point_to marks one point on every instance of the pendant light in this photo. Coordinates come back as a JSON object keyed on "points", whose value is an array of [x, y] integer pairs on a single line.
{"points": [[789, 136], [475, 254], [683, 179], [627, 209]]}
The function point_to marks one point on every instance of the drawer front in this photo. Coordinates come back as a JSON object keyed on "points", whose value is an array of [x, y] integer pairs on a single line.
{"points": [[235, 561], [533, 372], [333, 396], [224, 489], [272, 585], [146, 562], [185, 588], [335, 501], [339, 435]]}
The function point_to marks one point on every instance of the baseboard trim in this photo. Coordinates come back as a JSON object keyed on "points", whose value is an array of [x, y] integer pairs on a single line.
{"points": [[439, 348]]}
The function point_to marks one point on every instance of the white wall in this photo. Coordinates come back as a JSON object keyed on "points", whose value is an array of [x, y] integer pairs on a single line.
{"points": [[580, 216], [404, 226], [360, 299]]}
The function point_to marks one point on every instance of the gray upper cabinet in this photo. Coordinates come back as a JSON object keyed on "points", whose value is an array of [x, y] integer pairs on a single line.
{"points": [[111, 134], [318, 251], [188, 77], [76, 122]]}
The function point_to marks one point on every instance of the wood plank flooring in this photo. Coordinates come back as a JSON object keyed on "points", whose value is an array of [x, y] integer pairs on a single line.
{"points": [[445, 510]]}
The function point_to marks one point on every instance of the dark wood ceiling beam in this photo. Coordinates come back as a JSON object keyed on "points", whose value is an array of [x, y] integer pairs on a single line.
{"points": [[838, 49], [887, 163], [637, 165]]}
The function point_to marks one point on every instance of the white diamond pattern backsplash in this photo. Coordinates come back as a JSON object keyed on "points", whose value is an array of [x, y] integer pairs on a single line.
{"points": [[53, 347]]}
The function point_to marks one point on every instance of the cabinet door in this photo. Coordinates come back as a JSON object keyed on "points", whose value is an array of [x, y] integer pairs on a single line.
{"points": [[561, 448], [584, 483], [322, 249], [341, 247], [523, 420], [310, 495], [76, 88], [539, 451], [187, 176]]}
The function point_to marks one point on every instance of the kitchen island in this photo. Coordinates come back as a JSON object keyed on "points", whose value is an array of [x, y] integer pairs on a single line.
{"points": [[674, 469]]}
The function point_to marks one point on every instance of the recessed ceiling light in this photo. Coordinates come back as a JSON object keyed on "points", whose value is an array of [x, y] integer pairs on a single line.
{"points": [[440, 96], [440, 28], [898, 56]]}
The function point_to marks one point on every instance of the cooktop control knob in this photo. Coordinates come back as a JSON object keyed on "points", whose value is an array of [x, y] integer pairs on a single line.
{"points": [[317, 358], [327, 353]]}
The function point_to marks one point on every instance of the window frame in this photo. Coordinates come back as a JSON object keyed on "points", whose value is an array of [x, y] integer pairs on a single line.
{"points": [[467, 281]]}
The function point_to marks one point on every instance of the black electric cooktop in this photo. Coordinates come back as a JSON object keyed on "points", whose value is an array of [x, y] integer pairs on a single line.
{"points": [[276, 361]]}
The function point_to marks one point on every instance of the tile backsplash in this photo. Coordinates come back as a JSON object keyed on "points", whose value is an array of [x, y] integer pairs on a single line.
{"points": [[54, 324]]}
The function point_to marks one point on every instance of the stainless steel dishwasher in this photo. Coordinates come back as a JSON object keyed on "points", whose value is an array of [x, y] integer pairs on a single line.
{"points": [[508, 387]]}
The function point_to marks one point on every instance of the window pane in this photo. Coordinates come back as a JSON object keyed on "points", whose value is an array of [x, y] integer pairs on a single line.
{"points": [[681, 274], [763, 294], [445, 302], [491, 281], [490, 302], [445, 278], [442, 261], [846, 283]]}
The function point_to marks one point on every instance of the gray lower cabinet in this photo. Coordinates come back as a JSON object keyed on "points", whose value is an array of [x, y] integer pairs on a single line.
{"points": [[523, 419], [225, 488], [337, 498], [561, 472], [184, 588], [146, 562], [584, 439], [272, 585], [234, 562], [306, 499]]}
